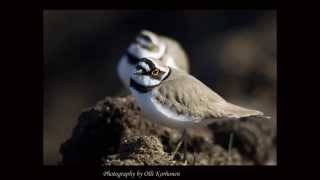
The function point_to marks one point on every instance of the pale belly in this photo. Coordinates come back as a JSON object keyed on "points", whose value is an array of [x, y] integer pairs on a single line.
{"points": [[158, 113]]}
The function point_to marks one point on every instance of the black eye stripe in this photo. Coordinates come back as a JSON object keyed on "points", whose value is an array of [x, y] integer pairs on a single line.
{"points": [[144, 89], [145, 37], [147, 46], [149, 63], [144, 71], [144, 46]]}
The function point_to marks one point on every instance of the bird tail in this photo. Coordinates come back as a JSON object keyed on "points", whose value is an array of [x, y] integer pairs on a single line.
{"points": [[239, 112]]}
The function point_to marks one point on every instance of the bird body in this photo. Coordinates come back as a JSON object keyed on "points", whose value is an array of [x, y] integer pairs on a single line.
{"points": [[177, 99]]}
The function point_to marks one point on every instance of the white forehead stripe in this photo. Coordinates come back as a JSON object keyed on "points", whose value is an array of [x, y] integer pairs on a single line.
{"points": [[145, 66], [156, 63]]}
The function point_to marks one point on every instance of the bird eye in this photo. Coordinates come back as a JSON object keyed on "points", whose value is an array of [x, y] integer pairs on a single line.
{"points": [[155, 72]]}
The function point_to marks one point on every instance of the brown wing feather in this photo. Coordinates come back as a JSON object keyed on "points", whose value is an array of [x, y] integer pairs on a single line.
{"points": [[190, 96]]}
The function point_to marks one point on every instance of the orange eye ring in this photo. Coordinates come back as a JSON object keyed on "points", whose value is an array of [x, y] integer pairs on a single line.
{"points": [[155, 72]]}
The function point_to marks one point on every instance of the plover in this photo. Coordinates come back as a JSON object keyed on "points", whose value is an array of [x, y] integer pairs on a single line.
{"points": [[178, 100], [149, 44]]}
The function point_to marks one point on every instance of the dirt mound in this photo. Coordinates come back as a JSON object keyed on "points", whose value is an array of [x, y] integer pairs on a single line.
{"points": [[114, 132]]}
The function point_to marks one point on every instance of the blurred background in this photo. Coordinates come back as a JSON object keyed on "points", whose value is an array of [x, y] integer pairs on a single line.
{"points": [[233, 52]]}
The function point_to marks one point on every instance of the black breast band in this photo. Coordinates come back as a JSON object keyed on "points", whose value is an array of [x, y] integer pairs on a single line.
{"points": [[140, 88]]}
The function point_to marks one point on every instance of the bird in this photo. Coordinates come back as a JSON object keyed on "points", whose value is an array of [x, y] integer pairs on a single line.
{"points": [[150, 44], [176, 99]]}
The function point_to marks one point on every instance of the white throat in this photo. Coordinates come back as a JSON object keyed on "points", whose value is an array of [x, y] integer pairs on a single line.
{"points": [[145, 80]]}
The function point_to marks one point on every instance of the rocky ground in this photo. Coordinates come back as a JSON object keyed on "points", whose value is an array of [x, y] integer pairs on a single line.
{"points": [[114, 132]]}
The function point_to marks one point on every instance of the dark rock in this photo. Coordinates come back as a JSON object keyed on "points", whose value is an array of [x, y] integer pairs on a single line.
{"points": [[140, 150], [253, 137]]}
